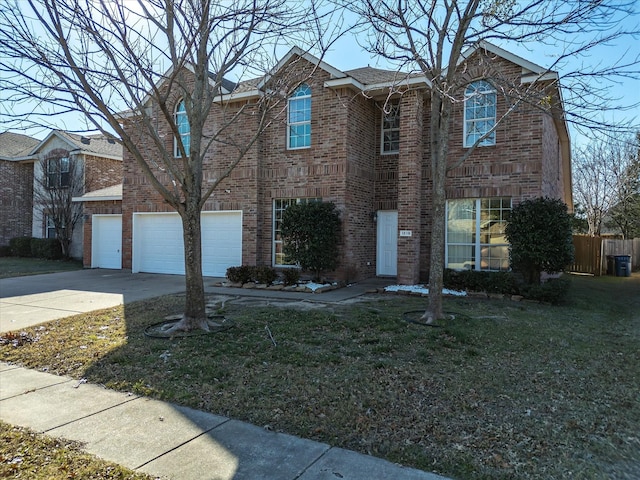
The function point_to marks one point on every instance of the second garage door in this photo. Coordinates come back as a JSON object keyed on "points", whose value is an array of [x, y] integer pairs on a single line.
{"points": [[158, 245]]}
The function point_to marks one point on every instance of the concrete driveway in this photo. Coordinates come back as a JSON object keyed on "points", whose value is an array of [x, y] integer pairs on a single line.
{"points": [[27, 301]]}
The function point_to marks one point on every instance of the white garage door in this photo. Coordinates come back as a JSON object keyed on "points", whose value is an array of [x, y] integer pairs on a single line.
{"points": [[158, 246], [106, 241]]}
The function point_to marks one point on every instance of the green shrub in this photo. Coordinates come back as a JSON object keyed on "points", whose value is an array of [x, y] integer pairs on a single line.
{"points": [[291, 276], [540, 235], [48, 248], [5, 251], [264, 274], [20, 246], [310, 234], [481, 281], [241, 274], [553, 291]]}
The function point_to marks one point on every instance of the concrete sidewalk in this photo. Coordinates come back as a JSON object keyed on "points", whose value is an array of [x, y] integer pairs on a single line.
{"points": [[173, 442]]}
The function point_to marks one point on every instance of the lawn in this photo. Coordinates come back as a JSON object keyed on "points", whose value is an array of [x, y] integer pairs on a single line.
{"points": [[20, 266], [26, 454], [508, 390]]}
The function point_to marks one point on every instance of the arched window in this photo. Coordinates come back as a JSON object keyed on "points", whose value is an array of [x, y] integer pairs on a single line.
{"points": [[479, 113], [299, 118], [182, 122]]}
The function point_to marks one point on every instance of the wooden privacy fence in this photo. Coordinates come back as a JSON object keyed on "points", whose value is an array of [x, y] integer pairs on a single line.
{"points": [[591, 253]]}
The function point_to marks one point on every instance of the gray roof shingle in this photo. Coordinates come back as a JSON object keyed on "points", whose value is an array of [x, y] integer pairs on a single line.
{"points": [[15, 146], [97, 144]]}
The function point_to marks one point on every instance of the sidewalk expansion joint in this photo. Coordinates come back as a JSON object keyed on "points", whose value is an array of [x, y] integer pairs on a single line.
{"points": [[205, 432], [313, 463], [93, 413], [31, 390]]}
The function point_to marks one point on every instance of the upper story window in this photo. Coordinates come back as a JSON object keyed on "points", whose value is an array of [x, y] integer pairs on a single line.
{"points": [[299, 118], [390, 128], [58, 175], [182, 123], [479, 113]]}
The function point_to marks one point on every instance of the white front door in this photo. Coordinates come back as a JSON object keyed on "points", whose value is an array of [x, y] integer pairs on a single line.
{"points": [[387, 243], [106, 241]]}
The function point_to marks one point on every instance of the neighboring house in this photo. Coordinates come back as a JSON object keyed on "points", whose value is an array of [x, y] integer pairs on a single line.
{"points": [[345, 138], [16, 185], [100, 160]]}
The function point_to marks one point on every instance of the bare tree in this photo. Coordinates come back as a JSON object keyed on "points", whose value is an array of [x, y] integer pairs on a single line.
{"points": [[605, 175], [59, 178], [625, 214], [127, 65], [431, 37]]}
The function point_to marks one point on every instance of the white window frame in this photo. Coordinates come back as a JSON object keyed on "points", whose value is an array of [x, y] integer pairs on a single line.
{"points": [[479, 90], [49, 225], [390, 126], [180, 116], [279, 206], [58, 170], [477, 243], [300, 97]]}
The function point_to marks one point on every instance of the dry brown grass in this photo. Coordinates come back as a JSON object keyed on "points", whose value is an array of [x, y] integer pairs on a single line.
{"points": [[507, 391]]}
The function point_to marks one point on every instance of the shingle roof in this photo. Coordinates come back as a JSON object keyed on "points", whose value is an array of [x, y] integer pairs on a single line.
{"points": [[113, 192], [14, 146], [97, 144], [372, 76]]}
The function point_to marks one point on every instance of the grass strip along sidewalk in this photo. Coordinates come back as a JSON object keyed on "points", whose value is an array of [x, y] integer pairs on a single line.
{"points": [[508, 390]]}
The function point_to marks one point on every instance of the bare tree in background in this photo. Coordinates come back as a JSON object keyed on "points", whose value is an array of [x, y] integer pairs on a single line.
{"points": [[605, 175], [58, 178], [430, 37], [138, 57], [624, 215]]}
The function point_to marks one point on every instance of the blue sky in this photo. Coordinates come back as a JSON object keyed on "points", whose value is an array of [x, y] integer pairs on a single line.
{"points": [[347, 54]]}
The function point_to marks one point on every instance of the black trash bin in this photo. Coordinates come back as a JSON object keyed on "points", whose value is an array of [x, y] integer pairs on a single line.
{"points": [[611, 270], [623, 265]]}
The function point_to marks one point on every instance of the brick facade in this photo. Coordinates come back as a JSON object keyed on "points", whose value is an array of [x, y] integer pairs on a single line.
{"points": [[16, 200], [344, 165]]}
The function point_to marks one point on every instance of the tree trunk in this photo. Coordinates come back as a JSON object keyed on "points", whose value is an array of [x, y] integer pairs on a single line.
{"points": [[440, 112], [194, 316]]}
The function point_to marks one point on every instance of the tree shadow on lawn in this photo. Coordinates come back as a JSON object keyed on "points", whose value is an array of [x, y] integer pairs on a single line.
{"points": [[519, 390]]}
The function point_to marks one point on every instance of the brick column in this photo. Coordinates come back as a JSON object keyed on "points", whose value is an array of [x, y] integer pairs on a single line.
{"points": [[409, 186]]}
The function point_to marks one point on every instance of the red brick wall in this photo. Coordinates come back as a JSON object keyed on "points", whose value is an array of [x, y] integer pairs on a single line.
{"points": [[16, 200], [344, 165], [111, 207], [101, 172]]}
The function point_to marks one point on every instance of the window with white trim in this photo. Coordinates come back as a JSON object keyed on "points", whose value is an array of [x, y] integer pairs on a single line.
{"points": [[50, 227], [58, 172], [475, 237], [390, 138], [299, 118], [479, 113], [279, 206], [184, 129]]}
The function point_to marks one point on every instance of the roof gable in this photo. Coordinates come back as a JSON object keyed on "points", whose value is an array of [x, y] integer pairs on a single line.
{"points": [[98, 144]]}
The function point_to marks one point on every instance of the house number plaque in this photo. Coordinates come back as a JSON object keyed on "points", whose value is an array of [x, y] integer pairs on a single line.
{"points": [[405, 233]]}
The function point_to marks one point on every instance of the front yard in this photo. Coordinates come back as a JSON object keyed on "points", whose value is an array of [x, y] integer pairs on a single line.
{"points": [[20, 266], [508, 390]]}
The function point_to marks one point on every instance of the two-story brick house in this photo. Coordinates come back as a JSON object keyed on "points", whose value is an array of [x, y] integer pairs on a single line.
{"points": [[16, 185], [99, 161], [360, 139]]}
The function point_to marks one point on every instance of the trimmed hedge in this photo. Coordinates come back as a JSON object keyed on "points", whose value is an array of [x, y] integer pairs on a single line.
{"points": [[20, 246], [247, 273], [508, 283], [48, 248], [5, 251]]}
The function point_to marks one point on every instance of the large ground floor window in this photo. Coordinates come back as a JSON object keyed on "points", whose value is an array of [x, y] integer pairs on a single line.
{"points": [[475, 234], [279, 206]]}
